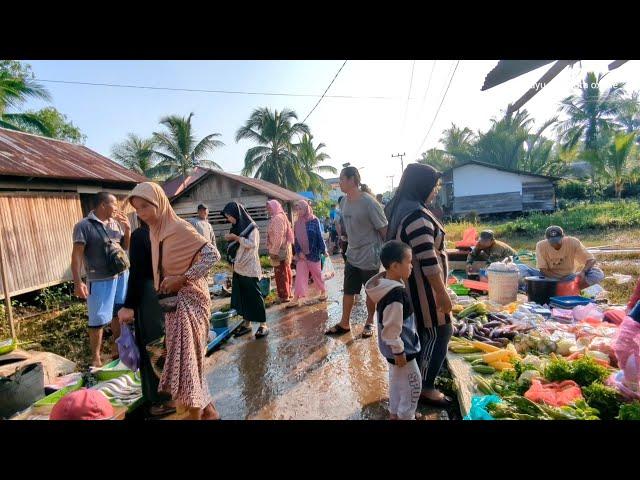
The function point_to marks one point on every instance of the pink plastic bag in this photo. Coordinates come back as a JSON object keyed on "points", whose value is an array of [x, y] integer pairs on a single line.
{"points": [[627, 342], [582, 312]]}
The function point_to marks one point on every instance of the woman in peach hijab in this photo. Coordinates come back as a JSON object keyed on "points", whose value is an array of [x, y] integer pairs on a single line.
{"points": [[181, 260]]}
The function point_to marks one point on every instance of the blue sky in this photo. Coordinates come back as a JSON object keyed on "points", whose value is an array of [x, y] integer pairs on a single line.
{"points": [[364, 132]]}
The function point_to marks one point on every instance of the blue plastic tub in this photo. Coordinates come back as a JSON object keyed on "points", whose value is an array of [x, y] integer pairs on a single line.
{"points": [[569, 302]]}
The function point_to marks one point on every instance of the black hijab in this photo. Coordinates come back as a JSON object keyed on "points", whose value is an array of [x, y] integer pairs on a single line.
{"points": [[416, 184], [243, 226]]}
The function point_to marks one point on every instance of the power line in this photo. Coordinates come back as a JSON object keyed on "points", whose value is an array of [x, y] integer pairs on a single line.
{"points": [[439, 106], [406, 104], [424, 97], [325, 92], [225, 92]]}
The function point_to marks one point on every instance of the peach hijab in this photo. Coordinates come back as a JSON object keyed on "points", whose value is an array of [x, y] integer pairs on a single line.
{"points": [[180, 241]]}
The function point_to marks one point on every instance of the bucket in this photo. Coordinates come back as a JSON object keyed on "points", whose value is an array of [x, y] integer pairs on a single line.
{"points": [[541, 289], [503, 286]]}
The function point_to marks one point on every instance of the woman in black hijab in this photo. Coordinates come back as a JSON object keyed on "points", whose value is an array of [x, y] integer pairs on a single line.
{"points": [[411, 222], [242, 253]]}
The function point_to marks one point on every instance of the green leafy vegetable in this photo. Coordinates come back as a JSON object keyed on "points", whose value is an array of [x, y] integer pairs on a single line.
{"points": [[583, 371], [630, 411], [604, 399]]}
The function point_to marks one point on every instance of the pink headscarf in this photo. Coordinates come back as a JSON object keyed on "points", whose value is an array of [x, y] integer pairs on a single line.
{"points": [[274, 208], [301, 225]]}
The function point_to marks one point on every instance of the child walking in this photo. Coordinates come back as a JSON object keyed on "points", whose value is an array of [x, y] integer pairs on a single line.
{"points": [[398, 338]]}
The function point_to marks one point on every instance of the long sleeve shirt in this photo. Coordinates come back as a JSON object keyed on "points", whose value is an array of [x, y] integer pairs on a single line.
{"points": [[277, 234], [247, 261], [496, 253]]}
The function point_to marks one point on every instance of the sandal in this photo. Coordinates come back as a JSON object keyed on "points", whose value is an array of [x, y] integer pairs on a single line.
{"points": [[262, 332], [243, 330], [337, 329], [292, 304], [443, 402], [323, 298], [368, 330], [156, 411]]}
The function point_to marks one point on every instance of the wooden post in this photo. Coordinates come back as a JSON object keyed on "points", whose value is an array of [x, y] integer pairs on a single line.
{"points": [[7, 296]]}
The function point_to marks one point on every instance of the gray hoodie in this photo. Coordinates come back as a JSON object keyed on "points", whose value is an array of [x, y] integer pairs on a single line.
{"points": [[396, 320]]}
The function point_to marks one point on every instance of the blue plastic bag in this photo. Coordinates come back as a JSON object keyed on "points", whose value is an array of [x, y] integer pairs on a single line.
{"points": [[478, 407], [127, 348]]}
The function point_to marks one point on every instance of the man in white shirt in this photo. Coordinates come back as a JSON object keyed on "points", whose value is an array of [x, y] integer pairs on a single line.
{"points": [[202, 225]]}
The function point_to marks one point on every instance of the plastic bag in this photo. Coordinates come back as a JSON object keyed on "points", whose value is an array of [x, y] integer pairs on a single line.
{"points": [[556, 394], [328, 272], [627, 345], [127, 348], [478, 410], [582, 312]]}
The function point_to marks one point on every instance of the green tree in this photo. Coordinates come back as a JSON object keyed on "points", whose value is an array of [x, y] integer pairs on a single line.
{"points": [[311, 159], [178, 149], [274, 159], [16, 87], [459, 143], [629, 112], [591, 114], [503, 144], [620, 161], [57, 125], [438, 159], [136, 153]]}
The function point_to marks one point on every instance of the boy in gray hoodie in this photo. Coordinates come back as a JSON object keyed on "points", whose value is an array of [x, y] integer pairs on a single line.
{"points": [[397, 335]]}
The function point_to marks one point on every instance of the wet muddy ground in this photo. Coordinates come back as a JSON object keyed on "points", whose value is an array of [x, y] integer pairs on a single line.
{"points": [[298, 372]]}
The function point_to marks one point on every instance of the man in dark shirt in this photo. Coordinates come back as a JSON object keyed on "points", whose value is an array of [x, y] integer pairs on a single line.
{"points": [[104, 292]]}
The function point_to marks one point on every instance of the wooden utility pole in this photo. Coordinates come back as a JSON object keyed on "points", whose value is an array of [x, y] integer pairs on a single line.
{"points": [[391, 177], [7, 297], [401, 155]]}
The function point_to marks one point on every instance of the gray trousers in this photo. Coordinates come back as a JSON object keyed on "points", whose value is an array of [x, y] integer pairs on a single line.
{"points": [[405, 385]]}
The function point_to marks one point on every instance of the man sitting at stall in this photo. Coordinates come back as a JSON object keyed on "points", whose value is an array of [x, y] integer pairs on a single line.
{"points": [[487, 251], [560, 257]]}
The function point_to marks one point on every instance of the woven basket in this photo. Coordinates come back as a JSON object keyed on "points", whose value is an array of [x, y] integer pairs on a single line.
{"points": [[503, 286]]}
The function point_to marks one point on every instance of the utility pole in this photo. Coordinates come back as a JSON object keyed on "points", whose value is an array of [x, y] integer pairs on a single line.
{"points": [[391, 177], [401, 155]]}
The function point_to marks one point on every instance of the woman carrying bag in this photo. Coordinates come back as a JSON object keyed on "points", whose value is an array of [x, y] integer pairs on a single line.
{"points": [[242, 253], [279, 242], [309, 248], [181, 259], [142, 303]]}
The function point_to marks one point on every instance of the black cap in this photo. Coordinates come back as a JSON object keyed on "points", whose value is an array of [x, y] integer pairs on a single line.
{"points": [[202, 206], [554, 234], [486, 235]]}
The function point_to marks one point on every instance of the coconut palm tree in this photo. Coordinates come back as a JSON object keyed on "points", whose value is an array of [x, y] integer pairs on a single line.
{"points": [[459, 143], [629, 112], [311, 158], [15, 89], [504, 143], [438, 159], [620, 161], [591, 114], [179, 151], [274, 159], [135, 153]]}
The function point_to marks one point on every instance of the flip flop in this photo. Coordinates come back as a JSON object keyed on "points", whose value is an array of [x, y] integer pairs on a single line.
{"points": [[368, 330], [337, 329], [243, 330], [262, 332], [157, 411]]}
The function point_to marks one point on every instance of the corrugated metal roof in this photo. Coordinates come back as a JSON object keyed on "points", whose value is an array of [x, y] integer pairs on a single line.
{"points": [[176, 187], [507, 70], [27, 155]]}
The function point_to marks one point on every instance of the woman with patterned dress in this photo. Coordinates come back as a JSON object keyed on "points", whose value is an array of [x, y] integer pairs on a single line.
{"points": [[279, 242], [181, 260]]}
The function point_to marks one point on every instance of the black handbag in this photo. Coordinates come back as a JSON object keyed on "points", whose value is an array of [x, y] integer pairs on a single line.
{"points": [[117, 259], [21, 389]]}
